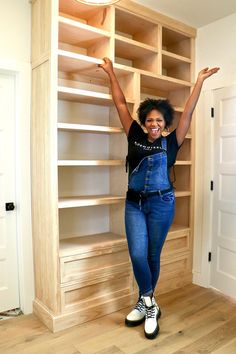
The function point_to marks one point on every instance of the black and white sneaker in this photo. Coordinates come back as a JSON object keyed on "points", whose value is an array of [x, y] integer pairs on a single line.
{"points": [[137, 315], [153, 312]]}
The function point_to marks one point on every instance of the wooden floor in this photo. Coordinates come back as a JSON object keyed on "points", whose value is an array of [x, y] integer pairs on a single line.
{"points": [[194, 320]]}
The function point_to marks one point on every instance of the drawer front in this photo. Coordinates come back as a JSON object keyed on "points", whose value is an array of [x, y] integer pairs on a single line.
{"points": [[92, 267], [176, 244], [176, 272], [76, 297]]}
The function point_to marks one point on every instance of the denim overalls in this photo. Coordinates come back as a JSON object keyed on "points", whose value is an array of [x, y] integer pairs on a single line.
{"points": [[147, 224]]}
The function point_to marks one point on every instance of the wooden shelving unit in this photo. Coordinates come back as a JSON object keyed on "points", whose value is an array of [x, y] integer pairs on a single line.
{"points": [[82, 267]]}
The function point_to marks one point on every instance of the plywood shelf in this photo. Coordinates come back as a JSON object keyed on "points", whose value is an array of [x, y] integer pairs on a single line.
{"points": [[180, 194], [89, 243], [85, 96], [75, 62], [176, 229], [175, 58], [90, 163], [83, 201], [79, 34], [86, 128], [131, 49], [183, 163], [164, 83], [70, 62]]}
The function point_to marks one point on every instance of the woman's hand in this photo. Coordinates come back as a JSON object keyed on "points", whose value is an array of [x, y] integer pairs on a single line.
{"points": [[206, 72], [107, 66], [190, 105]]}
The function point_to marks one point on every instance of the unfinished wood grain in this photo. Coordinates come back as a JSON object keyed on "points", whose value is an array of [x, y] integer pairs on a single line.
{"points": [[44, 190]]}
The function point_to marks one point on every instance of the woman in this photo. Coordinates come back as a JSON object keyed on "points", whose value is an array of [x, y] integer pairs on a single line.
{"points": [[150, 200]]}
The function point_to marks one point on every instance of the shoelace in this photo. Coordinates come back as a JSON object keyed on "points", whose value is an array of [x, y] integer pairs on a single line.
{"points": [[150, 312], [140, 305]]}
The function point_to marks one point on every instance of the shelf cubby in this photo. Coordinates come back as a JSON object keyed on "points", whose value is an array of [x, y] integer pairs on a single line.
{"points": [[182, 213], [184, 153], [87, 179], [77, 146], [96, 16], [132, 54], [77, 222], [80, 79], [176, 43], [83, 39], [155, 86], [176, 67], [136, 28], [182, 174]]}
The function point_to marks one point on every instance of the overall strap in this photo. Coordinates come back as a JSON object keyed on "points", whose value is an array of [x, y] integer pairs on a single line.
{"points": [[164, 143]]}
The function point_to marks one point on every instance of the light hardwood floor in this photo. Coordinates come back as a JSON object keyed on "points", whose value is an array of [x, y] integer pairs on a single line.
{"points": [[194, 320]]}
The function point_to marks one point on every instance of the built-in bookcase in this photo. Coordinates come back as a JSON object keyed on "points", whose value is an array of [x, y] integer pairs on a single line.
{"points": [[82, 266]]}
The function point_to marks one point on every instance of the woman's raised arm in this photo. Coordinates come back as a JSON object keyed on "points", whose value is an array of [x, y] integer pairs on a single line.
{"points": [[186, 116], [117, 95]]}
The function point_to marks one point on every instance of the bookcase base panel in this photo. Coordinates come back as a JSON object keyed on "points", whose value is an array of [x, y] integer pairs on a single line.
{"points": [[62, 321]]}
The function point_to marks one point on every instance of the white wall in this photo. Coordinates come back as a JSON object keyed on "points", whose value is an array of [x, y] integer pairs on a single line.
{"points": [[15, 30], [15, 34], [215, 46]]}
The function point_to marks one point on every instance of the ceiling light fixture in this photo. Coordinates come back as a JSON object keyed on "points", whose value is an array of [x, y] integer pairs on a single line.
{"points": [[98, 2]]}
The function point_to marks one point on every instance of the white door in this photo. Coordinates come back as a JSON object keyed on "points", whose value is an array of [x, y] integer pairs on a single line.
{"points": [[9, 290], [223, 268]]}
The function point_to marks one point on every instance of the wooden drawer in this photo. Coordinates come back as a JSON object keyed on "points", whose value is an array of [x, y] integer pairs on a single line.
{"points": [[176, 243], [79, 296], [92, 266], [176, 272]]}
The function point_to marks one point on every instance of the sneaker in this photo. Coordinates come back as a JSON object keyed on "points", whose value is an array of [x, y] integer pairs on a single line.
{"points": [[137, 315], [153, 312]]}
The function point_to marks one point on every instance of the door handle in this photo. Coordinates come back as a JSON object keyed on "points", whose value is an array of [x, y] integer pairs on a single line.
{"points": [[9, 206]]}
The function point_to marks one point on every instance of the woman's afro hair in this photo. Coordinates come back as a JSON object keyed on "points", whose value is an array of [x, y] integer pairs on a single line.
{"points": [[161, 105]]}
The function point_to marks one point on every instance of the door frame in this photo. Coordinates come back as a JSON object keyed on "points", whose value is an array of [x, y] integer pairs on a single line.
{"points": [[22, 74]]}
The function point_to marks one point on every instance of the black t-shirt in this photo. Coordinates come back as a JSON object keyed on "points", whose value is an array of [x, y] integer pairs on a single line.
{"points": [[139, 146]]}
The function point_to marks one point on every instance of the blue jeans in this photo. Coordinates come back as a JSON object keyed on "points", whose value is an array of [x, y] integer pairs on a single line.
{"points": [[146, 230]]}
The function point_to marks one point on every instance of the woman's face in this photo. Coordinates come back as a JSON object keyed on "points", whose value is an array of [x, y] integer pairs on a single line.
{"points": [[155, 124]]}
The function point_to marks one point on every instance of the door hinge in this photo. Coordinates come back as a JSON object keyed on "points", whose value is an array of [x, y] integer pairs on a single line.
{"points": [[212, 112], [209, 256], [212, 186]]}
